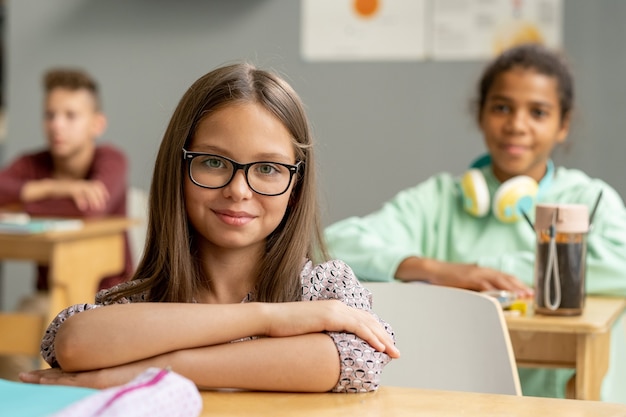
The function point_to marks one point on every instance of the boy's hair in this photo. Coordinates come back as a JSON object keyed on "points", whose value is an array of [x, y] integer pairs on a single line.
{"points": [[170, 263], [538, 58], [72, 79]]}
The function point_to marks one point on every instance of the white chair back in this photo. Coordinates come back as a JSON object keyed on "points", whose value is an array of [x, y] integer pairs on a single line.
{"points": [[137, 208], [449, 339]]}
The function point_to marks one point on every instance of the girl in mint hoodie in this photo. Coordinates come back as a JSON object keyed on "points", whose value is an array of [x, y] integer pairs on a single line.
{"points": [[462, 231]]}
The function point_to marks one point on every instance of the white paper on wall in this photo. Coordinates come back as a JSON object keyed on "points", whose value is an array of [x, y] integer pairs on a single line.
{"points": [[362, 30], [409, 30], [481, 29]]}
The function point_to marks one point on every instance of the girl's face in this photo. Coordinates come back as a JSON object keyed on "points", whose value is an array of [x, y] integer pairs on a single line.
{"points": [[521, 123], [235, 217]]}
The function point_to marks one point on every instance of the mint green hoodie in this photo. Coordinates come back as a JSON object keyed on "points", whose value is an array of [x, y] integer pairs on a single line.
{"points": [[428, 221]]}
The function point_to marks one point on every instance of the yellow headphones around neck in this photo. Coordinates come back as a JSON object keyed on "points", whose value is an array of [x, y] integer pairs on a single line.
{"points": [[512, 197]]}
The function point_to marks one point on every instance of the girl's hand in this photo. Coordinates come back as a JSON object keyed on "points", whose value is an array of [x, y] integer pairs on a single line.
{"points": [[474, 277], [296, 318], [99, 379]]}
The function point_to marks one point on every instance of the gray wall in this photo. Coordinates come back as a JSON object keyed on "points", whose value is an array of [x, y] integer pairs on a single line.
{"points": [[380, 126]]}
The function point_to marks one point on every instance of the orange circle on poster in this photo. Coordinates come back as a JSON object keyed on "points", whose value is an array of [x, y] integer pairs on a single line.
{"points": [[366, 8]]}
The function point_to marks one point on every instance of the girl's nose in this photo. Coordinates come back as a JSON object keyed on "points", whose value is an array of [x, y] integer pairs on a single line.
{"points": [[238, 188], [517, 122]]}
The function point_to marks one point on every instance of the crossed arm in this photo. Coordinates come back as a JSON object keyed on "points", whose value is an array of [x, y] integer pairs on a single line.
{"points": [[87, 195], [27, 183], [291, 352]]}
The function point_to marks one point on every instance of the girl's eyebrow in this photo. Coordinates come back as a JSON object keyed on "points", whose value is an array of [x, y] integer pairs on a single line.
{"points": [[498, 97], [278, 157], [265, 156]]}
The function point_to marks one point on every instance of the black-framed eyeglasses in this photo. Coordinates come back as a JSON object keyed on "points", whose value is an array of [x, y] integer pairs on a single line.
{"points": [[212, 171]]}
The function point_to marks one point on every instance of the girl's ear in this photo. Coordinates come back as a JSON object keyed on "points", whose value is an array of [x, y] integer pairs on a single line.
{"points": [[564, 128], [294, 189]]}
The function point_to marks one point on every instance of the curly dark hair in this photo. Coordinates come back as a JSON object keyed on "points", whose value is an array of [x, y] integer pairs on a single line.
{"points": [[538, 58]]}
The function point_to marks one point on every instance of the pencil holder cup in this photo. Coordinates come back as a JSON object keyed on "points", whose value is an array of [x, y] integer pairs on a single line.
{"points": [[560, 259]]}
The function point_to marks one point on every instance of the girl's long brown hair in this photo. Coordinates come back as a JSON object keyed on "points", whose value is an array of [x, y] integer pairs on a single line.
{"points": [[170, 266]]}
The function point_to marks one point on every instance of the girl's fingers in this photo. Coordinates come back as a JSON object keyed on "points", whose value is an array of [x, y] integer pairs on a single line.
{"points": [[364, 325], [40, 376], [376, 335], [29, 377]]}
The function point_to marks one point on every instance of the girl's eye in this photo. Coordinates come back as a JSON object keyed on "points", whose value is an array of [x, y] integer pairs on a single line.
{"points": [[501, 108], [539, 113], [267, 169], [212, 162]]}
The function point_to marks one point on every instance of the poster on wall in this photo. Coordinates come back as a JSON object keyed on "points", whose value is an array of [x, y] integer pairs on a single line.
{"points": [[362, 30], [410, 30], [481, 29]]}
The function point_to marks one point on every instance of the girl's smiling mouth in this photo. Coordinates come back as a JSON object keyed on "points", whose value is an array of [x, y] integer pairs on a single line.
{"points": [[514, 150], [234, 218]]}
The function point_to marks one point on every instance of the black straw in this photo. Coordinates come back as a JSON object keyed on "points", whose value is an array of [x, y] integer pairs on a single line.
{"points": [[595, 207], [528, 220]]}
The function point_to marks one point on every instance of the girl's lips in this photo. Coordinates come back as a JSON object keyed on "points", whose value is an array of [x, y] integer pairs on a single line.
{"points": [[514, 149], [234, 218]]}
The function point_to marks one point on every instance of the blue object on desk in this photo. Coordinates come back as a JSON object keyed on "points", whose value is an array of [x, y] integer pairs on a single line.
{"points": [[18, 399], [505, 298], [40, 225]]}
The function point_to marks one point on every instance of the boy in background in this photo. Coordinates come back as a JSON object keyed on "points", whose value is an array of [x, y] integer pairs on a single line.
{"points": [[73, 176]]}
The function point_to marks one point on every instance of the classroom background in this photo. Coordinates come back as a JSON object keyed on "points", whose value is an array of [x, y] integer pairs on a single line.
{"points": [[380, 126]]}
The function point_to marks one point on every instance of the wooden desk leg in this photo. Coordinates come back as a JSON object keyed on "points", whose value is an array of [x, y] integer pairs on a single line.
{"points": [[592, 362], [76, 269]]}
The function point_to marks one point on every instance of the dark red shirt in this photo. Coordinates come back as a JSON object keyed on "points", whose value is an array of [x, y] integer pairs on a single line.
{"points": [[108, 166]]}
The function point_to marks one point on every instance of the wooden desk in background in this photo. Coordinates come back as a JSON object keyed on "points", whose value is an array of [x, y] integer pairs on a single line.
{"points": [[394, 401], [77, 260], [579, 342]]}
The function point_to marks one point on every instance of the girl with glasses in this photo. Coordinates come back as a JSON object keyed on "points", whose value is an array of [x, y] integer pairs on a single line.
{"points": [[233, 248]]}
